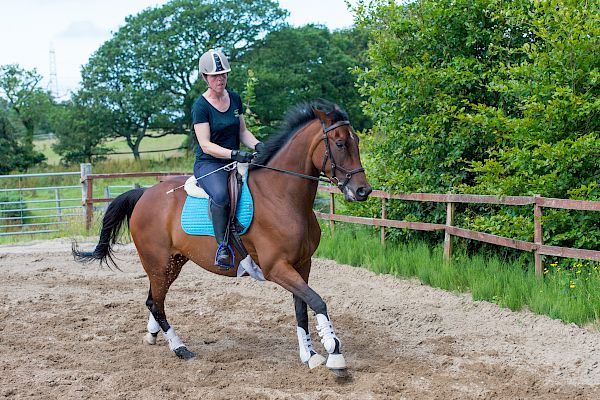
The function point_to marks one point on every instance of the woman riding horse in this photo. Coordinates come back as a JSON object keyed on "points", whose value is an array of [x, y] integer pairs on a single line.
{"points": [[219, 125], [316, 139]]}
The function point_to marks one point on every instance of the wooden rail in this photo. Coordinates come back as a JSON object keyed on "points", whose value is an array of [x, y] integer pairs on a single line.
{"points": [[87, 184], [537, 246]]}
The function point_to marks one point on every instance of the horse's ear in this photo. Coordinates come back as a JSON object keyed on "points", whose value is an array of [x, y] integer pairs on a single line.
{"points": [[321, 115]]}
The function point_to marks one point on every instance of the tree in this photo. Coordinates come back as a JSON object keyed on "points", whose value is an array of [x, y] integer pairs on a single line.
{"points": [[21, 89], [13, 154], [24, 107], [551, 144], [553, 125], [124, 103], [320, 66], [143, 80], [488, 97], [431, 63], [79, 139]]}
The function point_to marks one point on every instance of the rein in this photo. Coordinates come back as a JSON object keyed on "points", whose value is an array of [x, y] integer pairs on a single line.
{"points": [[321, 178], [312, 178], [328, 155]]}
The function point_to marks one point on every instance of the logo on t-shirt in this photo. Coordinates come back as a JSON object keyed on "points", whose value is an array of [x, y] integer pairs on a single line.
{"points": [[236, 113]]}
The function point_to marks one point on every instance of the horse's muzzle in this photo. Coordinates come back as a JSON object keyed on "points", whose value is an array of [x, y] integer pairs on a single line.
{"points": [[359, 194], [363, 192]]}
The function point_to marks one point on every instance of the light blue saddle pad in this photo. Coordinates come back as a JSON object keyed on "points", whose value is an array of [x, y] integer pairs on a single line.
{"points": [[195, 220]]}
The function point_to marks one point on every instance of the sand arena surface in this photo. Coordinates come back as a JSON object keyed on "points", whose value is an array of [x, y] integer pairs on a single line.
{"points": [[75, 332]]}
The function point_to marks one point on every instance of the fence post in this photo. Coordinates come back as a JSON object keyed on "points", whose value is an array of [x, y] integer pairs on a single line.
{"points": [[383, 216], [57, 198], [87, 194], [447, 235], [331, 211], [538, 235]]}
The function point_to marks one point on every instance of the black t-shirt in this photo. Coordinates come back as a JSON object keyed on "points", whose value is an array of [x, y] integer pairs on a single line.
{"points": [[224, 126]]}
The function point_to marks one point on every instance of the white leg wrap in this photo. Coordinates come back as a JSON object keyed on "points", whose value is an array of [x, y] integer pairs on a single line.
{"points": [[149, 338], [305, 344], [153, 326], [327, 334], [174, 341], [306, 348]]}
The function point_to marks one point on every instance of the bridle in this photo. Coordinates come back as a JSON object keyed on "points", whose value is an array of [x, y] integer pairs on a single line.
{"points": [[327, 156]]}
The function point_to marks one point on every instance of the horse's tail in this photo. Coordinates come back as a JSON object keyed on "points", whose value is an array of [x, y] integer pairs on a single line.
{"points": [[117, 212]]}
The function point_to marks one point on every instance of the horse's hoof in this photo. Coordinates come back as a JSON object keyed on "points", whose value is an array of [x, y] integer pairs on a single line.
{"points": [[150, 338], [183, 353], [315, 360], [336, 362]]}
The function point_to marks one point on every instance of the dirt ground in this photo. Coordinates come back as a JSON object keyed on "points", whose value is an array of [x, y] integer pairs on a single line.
{"points": [[75, 332]]}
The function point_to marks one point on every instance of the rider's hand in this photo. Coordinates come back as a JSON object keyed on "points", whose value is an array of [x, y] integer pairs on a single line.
{"points": [[241, 156], [259, 147]]}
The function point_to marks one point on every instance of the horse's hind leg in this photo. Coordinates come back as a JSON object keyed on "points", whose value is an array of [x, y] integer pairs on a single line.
{"points": [[162, 272], [153, 327]]}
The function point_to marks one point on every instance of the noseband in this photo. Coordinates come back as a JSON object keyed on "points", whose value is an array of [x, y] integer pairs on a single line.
{"points": [[329, 155]]}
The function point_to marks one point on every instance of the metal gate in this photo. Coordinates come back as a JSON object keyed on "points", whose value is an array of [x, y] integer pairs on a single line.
{"points": [[38, 203]]}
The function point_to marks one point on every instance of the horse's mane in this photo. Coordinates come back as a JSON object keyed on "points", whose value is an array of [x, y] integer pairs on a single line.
{"points": [[296, 118]]}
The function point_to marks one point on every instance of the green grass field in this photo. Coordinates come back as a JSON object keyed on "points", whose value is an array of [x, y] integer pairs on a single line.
{"points": [[120, 146], [570, 294]]}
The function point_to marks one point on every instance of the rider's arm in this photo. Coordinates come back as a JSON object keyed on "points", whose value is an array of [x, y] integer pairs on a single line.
{"points": [[202, 131]]}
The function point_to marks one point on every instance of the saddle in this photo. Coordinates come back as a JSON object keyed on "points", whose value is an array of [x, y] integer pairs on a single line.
{"points": [[239, 218]]}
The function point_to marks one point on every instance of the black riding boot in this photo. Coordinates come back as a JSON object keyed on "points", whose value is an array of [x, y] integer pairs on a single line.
{"points": [[220, 219]]}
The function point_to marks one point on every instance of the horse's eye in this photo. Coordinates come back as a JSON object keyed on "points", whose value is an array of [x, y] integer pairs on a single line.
{"points": [[340, 144]]}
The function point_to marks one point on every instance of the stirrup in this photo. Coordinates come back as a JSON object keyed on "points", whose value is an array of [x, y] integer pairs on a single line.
{"points": [[223, 266]]}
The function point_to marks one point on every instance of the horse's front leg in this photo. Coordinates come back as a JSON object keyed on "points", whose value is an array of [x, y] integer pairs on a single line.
{"points": [[286, 276], [308, 355]]}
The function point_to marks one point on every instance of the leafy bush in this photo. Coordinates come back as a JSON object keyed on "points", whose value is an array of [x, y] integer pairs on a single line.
{"points": [[486, 97], [14, 154]]}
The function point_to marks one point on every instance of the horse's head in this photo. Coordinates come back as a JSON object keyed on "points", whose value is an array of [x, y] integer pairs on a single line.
{"points": [[338, 157]]}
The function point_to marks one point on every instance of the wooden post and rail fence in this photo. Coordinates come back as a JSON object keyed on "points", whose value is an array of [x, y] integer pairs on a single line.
{"points": [[537, 247]]}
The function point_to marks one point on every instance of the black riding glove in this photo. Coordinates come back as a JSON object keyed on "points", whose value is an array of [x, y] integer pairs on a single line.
{"points": [[241, 156], [259, 147]]}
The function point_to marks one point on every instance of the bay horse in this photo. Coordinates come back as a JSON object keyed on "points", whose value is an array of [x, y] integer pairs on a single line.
{"points": [[316, 138]]}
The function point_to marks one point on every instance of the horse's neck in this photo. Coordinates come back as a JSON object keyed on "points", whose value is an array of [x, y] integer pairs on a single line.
{"points": [[296, 156]]}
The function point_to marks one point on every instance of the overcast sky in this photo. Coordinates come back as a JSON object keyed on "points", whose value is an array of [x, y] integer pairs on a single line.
{"points": [[76, 28]]}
